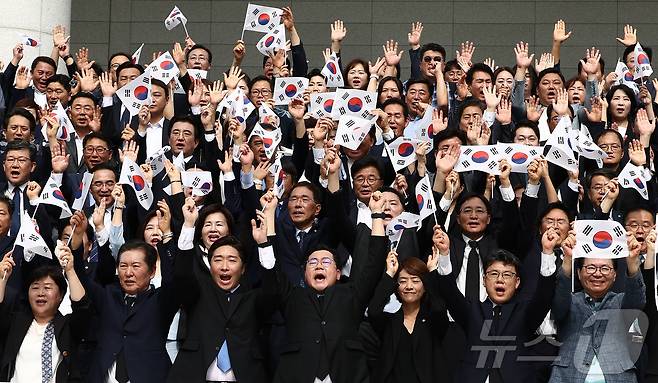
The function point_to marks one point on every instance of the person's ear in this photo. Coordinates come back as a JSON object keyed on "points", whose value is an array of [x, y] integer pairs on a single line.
{"points": [[518, 282], [318, 207]]}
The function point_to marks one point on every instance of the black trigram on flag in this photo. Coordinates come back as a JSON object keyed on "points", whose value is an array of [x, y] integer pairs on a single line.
{"points": [[196, 181], [127, 92], [136, 105], [424, 187], [468, 151], [282, 84], [365, 115], [350, 123], [631, 173], [508, 150], [533, 152], [617, 230], [281, 97], [367, 98], [45, 195], [319, 100], [255, 11], [560, 140], [341, 110], [346, 137], [617, 250], [494, 151], [345, 96], [588, 229], [625, 181], [400, 162], [491, 165], [466, 163], [33, 237], [300, 83], [143, 197], [587, 249], [154, 69], [556, 154], [165, 75]]}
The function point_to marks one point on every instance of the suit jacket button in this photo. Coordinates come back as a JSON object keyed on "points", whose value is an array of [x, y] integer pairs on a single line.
{"points": [[323, 323], [65, 353], [317, 341]]}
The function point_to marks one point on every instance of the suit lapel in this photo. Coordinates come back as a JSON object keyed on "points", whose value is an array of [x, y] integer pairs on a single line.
{"points": [[458, 257], [234, 301]]}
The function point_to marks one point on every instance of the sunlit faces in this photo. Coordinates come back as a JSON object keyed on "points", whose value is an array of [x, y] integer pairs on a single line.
{"points": [[576, 92], [501, 281], [214, 227], [182, 137], [226, 267], [260, 91], [468, 116], [429, 61], [127, 75], [410, 287], [395, 118], [5, 218], [389, 90], [504, 83], [82, 112], [102, 184], [473, 218], [357, 77], [302, 207], [96, 152], [620, 106], [480, 81], [559, 220], [198, 59], [44, 297], [317, 84], [18, 166], [152, 232], [417, 93], [638, 223], [134, 273], [18, 128], [548, 87], [597, 189], [609, 142], [42, 71], [526, 136], [365, 182], [114, 64], [321, 271], [257, 147], [55, 92], [453, 75], [392, 206], [597, 276], [158, 99]]}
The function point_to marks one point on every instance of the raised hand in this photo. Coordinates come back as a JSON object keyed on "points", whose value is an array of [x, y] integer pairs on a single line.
{"points": [[644, 126], [59, 160], [491, 98], [636, 153], [414, 35], [504, 112], [391, 53], [522, 58], [441, 242], [98, 216], [630, 36], [376, 203], [392, 264], [108, 88], [533, 108], [190, 213], [7, 266], [561, 103], [465, 53], [378, 67], [560, 33], [446, 161], [546, 61], [596, 114], [23, 78], [549, 240], [591, 63], [130, 150], [338, 31]]}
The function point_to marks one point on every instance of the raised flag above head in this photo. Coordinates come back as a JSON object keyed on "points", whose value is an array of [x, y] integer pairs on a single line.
{"points": [[137, 55], [175, 17], [635, 177], [157, 160], [479, 157], [403, 221], [600, 239], [271, 139], [331, 72], [426, 132], [199, 181], [164, 68], [82, 191], [261, 19], [273, 41], [561, 144], [352, 131], [625, 77], [28, 41], [197, 74], [354, 102], [30, 240], [132, 175], [279, 176], [518, 155], [425, 198], [642, 63], [267, 116], [287, 89], [52, 195], [402, 152], [322, 104], [136, 93]]}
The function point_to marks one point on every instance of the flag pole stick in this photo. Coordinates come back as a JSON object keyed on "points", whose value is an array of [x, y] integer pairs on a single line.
{"points": [[436, 221], [35, 210], [185, 28], [68, 241]]}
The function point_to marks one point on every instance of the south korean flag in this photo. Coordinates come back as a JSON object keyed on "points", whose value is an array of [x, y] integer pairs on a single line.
{"points": [[353, 102], [322, 104], [164, 68], [271, 139], [136, 93], [642, 63], [395, 227], [197, 74], [65, 125], [132, 175], [560, 146], [426, 129], [587, 148], [635, 177], [402, 152], [276, 170], [352, 131], [287, 89], [625, 77], [261, 19], [479, 157], [600, 239], [273, 41], [156, 161], [199, 181], [519, 155], [331, 72]]}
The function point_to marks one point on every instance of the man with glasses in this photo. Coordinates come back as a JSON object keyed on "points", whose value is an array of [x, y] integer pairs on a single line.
{"points": [[81, 113]]}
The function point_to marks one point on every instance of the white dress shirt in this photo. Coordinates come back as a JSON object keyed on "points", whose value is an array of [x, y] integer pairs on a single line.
{"points": [[154, 137], [28, 359]]}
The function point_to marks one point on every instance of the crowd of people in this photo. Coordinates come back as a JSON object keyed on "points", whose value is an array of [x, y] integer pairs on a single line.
{"points": [[297, 263]]}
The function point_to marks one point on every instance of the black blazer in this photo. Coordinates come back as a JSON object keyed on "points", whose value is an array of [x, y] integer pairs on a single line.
{"points": [[212, 319], [69, 329], [334, 325], [429, 329], [651, 339]]}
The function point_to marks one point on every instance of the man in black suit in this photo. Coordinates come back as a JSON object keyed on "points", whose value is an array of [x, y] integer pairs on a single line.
{"points": [[81, 112], [150, 124], [115, 115], [41, 69]]}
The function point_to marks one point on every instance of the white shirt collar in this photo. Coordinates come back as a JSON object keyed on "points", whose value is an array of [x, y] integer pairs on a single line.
{"points": [[157, 125]]}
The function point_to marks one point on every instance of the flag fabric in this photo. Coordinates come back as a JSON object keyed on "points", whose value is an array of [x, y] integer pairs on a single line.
{"points": [[402, 152], [403, 221], [197, 74], [157, 160], [28, 41], [331, 72], [175, 17], [352, 131], [642, 63], [279, 176], [132, 175], [322, 104], [179, 161], [238, 105], [353, 102], [137, 54], [267, 116], [178, 87], [519, 156], [261, 19], [271, 139], [287, 89], [425, 131], [600, 239], [635, 177], [478, 157], [30, 240], [272, 41], [425, 198], [164, 68], [199, 181], [82, 191], [52, 195], [136, 93], [586, 146], [560, 146], [65, 125]]}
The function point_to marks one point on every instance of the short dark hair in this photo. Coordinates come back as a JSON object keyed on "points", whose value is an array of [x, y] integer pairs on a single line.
{"points": [[97, 68], [199, 46], [467, 103], [105, 166], [187, 119], [631, 48], [45, 271], [212, 209], [150, 253], [127, 65], [636, 208], [554, 206], [578, 263], [21, 145], [323, 247], [397, 101], [260, 78], [505, 257], [478, 67], [420, 80], [502, 69], [447, 134], [528, 124], [431, 47], [82, 95], [10, 206], [317, 194], [23, 113], [159, 83], [117, 54], [450, 65], [43, 59], [388, 189], [366, 162], [609, 131], [96, 135], [315, 72], [61, 79], [549, 71], [231, 241], [470, 195], [605, 172]]}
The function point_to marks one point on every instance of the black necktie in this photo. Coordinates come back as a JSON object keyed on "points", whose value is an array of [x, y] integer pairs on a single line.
{"points": [[323, 363], [121, 373], [494, 373], [125, 119], [130, 301], [300, 239], [16, 213], [473, 273]]}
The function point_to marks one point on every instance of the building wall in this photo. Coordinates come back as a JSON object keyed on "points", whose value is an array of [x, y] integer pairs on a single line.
{"points": [[107, 26]]}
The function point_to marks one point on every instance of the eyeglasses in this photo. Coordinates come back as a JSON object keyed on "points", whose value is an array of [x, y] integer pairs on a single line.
{"points": [[605, 147], [370, 180], [20, 160], [304, 200], [98, 149], [313, 262], [429, 59], [493, 275], [591, 269], [469, 211], [258, 92], [100, 184], [634, 226]]}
